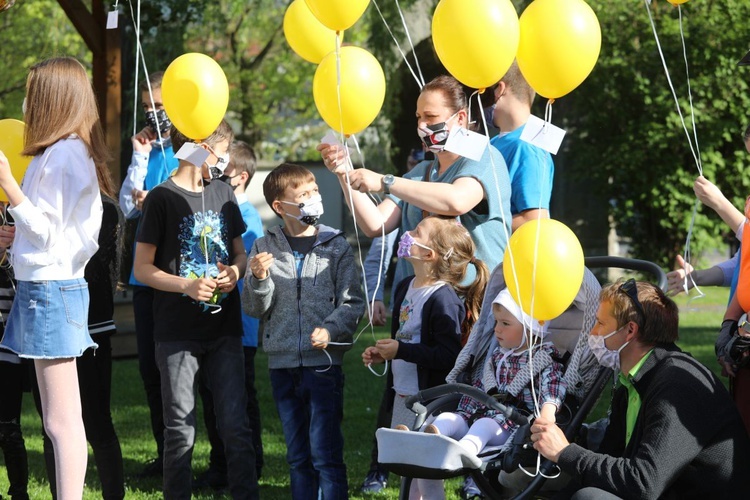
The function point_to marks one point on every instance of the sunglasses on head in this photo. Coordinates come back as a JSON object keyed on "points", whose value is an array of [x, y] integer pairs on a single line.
{"points": [[630, 289]]}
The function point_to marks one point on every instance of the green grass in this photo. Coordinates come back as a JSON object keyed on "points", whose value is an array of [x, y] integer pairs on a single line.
{"points": [[699, 320]]}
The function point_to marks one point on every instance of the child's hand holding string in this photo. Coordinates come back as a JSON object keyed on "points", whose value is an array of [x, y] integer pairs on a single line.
{"points": [[371, 355], [7, 233], [387, 348], [320, 338], [227, 278], [201, 289]]}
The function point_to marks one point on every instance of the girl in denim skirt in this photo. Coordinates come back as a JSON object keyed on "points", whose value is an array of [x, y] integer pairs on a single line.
{"points": [[58, 214]]}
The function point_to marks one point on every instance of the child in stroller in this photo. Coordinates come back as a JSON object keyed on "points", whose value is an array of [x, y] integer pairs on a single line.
{"points": [[523, 365]]}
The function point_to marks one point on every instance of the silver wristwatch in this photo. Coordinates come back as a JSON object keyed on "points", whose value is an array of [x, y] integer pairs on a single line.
{"points": [[388, 181]]}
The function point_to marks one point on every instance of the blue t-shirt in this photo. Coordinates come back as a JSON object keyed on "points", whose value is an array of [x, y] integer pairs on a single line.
{"points": [[531, 171], [484, 222], [253, 231]]}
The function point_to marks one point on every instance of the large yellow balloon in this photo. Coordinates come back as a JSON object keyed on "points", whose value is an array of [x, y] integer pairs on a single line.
{"points": [[476, 40], [195, 94], [307, 36], [338, 14], [362, 90], [677, 2], [559, 268], [11, 144], [560, 43]]}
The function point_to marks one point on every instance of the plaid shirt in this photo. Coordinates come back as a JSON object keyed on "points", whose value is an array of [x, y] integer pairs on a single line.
{"points": [[550, 386]]}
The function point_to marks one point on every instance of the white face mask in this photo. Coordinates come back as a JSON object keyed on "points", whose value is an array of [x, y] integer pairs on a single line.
{"points": [[309, 211], [606, 356]]}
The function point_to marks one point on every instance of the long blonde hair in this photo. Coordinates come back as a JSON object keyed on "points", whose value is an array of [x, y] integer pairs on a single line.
{"points": [[60, 101], [455, 251]]}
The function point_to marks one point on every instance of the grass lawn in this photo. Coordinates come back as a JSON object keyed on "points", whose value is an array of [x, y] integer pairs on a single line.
{"points": [[700, 320]]}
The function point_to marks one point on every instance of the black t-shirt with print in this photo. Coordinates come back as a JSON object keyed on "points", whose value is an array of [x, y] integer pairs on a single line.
{"points": [[192, 232]]}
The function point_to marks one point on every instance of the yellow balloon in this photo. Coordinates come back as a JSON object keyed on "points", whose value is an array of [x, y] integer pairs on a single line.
{"points": [[362, 90], [677, 2], [307, 36], [338, 14], [476, 40], [11, 144], [555, 280], [560, 43], [195, 94]]}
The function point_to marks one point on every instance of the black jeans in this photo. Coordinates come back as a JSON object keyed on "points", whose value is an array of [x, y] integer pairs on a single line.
{"points": [[11, 438], [217, 459], [95, 383], [143, 314]]}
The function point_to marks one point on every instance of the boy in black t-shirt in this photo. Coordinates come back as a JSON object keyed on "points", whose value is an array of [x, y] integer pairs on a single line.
{"points": [[189, 249]]}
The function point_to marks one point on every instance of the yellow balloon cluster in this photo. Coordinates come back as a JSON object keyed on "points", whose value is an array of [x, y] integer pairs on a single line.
{"points": [[307, 36], [11, 144], [560, 43], [351, 104], [476, 40], [549, 271], [195, 94], [338, 15]]}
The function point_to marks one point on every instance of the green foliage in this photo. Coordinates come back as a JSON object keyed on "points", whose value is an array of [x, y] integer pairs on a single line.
{"points": [[624, 133], [21, 48]]}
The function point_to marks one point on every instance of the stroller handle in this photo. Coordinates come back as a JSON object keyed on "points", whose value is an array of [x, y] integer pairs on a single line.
{"points": [[644, 266], [414, 403]]}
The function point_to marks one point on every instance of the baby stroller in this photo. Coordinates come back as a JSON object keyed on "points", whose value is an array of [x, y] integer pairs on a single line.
{"points": [[430, 456]]}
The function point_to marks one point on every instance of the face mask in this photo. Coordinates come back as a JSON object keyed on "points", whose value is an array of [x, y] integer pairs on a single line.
{"points": [[606, 356], [217, 169], [23, 106], [309, 211], [435, 136], [405, 244], [227, 178], [158, 120], [489, 115]]}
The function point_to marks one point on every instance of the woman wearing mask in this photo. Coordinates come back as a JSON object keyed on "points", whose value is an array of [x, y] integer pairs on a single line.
{"points": [[477, 192]]}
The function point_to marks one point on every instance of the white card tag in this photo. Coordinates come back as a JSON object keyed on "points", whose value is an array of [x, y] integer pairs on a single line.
{"points": [[112, 19], [546, 136], [466, 143], [330, 138], [192, 153]]}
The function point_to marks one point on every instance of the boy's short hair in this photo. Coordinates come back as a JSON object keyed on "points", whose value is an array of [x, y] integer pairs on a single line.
{"points": [[242, 158], [286, 175], [661, 322], [518, 85], [222, 132], [154, 79]]}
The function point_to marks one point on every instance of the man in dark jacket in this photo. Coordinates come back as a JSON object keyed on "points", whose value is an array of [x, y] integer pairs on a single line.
{"points": [[673, 431]]}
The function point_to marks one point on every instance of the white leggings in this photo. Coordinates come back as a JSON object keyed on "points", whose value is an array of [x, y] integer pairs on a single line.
{"points": [[485, 431]]}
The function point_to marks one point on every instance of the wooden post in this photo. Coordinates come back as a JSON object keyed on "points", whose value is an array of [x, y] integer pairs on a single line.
{"points": [[105, 47]]}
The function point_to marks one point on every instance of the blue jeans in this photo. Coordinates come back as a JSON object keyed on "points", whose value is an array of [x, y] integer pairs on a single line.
{"points": [[222, 360], [311, 408]]}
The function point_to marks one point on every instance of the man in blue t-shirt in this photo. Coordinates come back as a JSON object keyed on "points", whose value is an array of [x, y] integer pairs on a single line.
{"points": [[530, 168], [152, 162]]}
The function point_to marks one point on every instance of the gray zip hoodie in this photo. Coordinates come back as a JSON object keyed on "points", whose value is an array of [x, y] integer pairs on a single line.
{"points": [[328, 294]]}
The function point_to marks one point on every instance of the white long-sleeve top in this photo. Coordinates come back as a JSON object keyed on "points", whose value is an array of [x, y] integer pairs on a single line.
{"points": [[58, 222]]}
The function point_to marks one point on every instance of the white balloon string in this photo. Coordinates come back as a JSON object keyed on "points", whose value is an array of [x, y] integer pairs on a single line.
{"points": [[690, 93], [411, 43], [420, 82], [505, 217], [687, 257], [342, 136], [671, 87], [139, 50], [385, 369]]}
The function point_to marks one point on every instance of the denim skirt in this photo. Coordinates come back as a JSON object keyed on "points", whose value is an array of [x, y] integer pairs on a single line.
{"points": [[49, 319]]}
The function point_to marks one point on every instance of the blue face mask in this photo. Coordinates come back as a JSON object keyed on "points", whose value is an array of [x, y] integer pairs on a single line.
{"points": [[489, 115], [606, 356]]}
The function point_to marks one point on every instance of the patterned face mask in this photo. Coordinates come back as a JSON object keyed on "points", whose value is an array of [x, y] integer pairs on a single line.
{"points": [[309, 211], [436, 135], [405, 244]]}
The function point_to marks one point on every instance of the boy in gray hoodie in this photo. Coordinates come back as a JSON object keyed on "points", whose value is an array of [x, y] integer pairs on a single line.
{"points": [[305, 288]]}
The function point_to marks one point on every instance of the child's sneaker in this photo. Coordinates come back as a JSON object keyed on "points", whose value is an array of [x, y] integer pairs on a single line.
{"points": [[401, 427], [375, 482], [431, 429]]}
